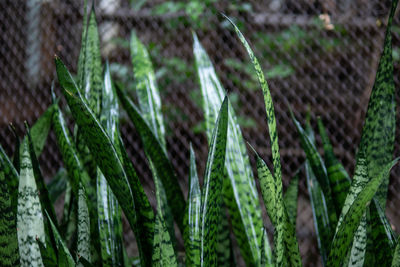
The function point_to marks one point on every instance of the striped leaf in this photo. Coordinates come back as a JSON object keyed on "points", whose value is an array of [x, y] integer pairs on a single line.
{"points": [[150, 106], [320, 214], [83, 225], [192, 233], [361, 192], [286, 248], [339, 180], [212, 189], [396, 255], [290, 198], [9, 255], [266, 255], [318, 167], [64, 256], [240, 195], [41, 185], [358, 248], [109, 214], [163, 252], [11, 178], [377, 140], [158, 157], [82, 52], [17, 147], [29, 217], [104, 153]]}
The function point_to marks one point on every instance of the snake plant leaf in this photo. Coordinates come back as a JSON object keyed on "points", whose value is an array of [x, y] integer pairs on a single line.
{"points": [[57, 185], [82, 52], [104, 153], [9, 255], [339, 180], [91, 83], [150, 105], [269, 106], [84, 262], [144, 211], [266, 255], [49, 257], [41, 185], [109, 215], [243, 207], [290, 198], [225, 255], [378, 134], [163, 252], [320, 212], [358, 248], [285, 242], [16, 156], [83, 225], [158, 157], [29, 216], [381, 241], [64, 256], [319, 169], [11, 178], [212, 189], [192, 236], [396, 255], [361, 193]]}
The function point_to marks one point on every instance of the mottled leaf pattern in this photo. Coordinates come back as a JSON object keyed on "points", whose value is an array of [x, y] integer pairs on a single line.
{"points": [[212, 189], [241, 197], [9, 255], [49, 257], [29, 217], [57, 185], [103, 152], [266, 255], [358, 248], [158, 157], [11, 178], [290, 198], [361, 192], [193, 220], [83, 243]]}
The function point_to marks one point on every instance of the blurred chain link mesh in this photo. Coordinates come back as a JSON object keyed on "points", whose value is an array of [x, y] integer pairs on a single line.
{"points": [[317, 55]]}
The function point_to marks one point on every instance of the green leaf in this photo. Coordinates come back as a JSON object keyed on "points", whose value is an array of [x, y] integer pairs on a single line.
{"points": [[150, 106], [240, 193], [212, 189], [29, 217], [109, 219], [163, 251], [324, 230], [64, 256], [16, 156], [158, 157], [266, 255], [83, 242], [285, 242], [318, 167], [339, 180], [82, 52], [359, 246], [378, 135], [49, 257], [290, 198], [41, 185], [396, 255], [9, 255], [11, 178], [192, 233], [361, 192], [104, 153], [57, 185]]}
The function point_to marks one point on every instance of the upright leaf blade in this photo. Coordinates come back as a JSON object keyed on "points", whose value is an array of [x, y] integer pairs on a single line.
{"points": [[83, 243], [9, 255], [29, 217], [158, 157], [163, 252], [240, 194], [290, 198], [211, 195], [103, 152], [192, 234], [11, 178]]}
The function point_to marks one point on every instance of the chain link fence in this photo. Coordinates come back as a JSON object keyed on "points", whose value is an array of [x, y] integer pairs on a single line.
{"points": [[318, 55]]}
